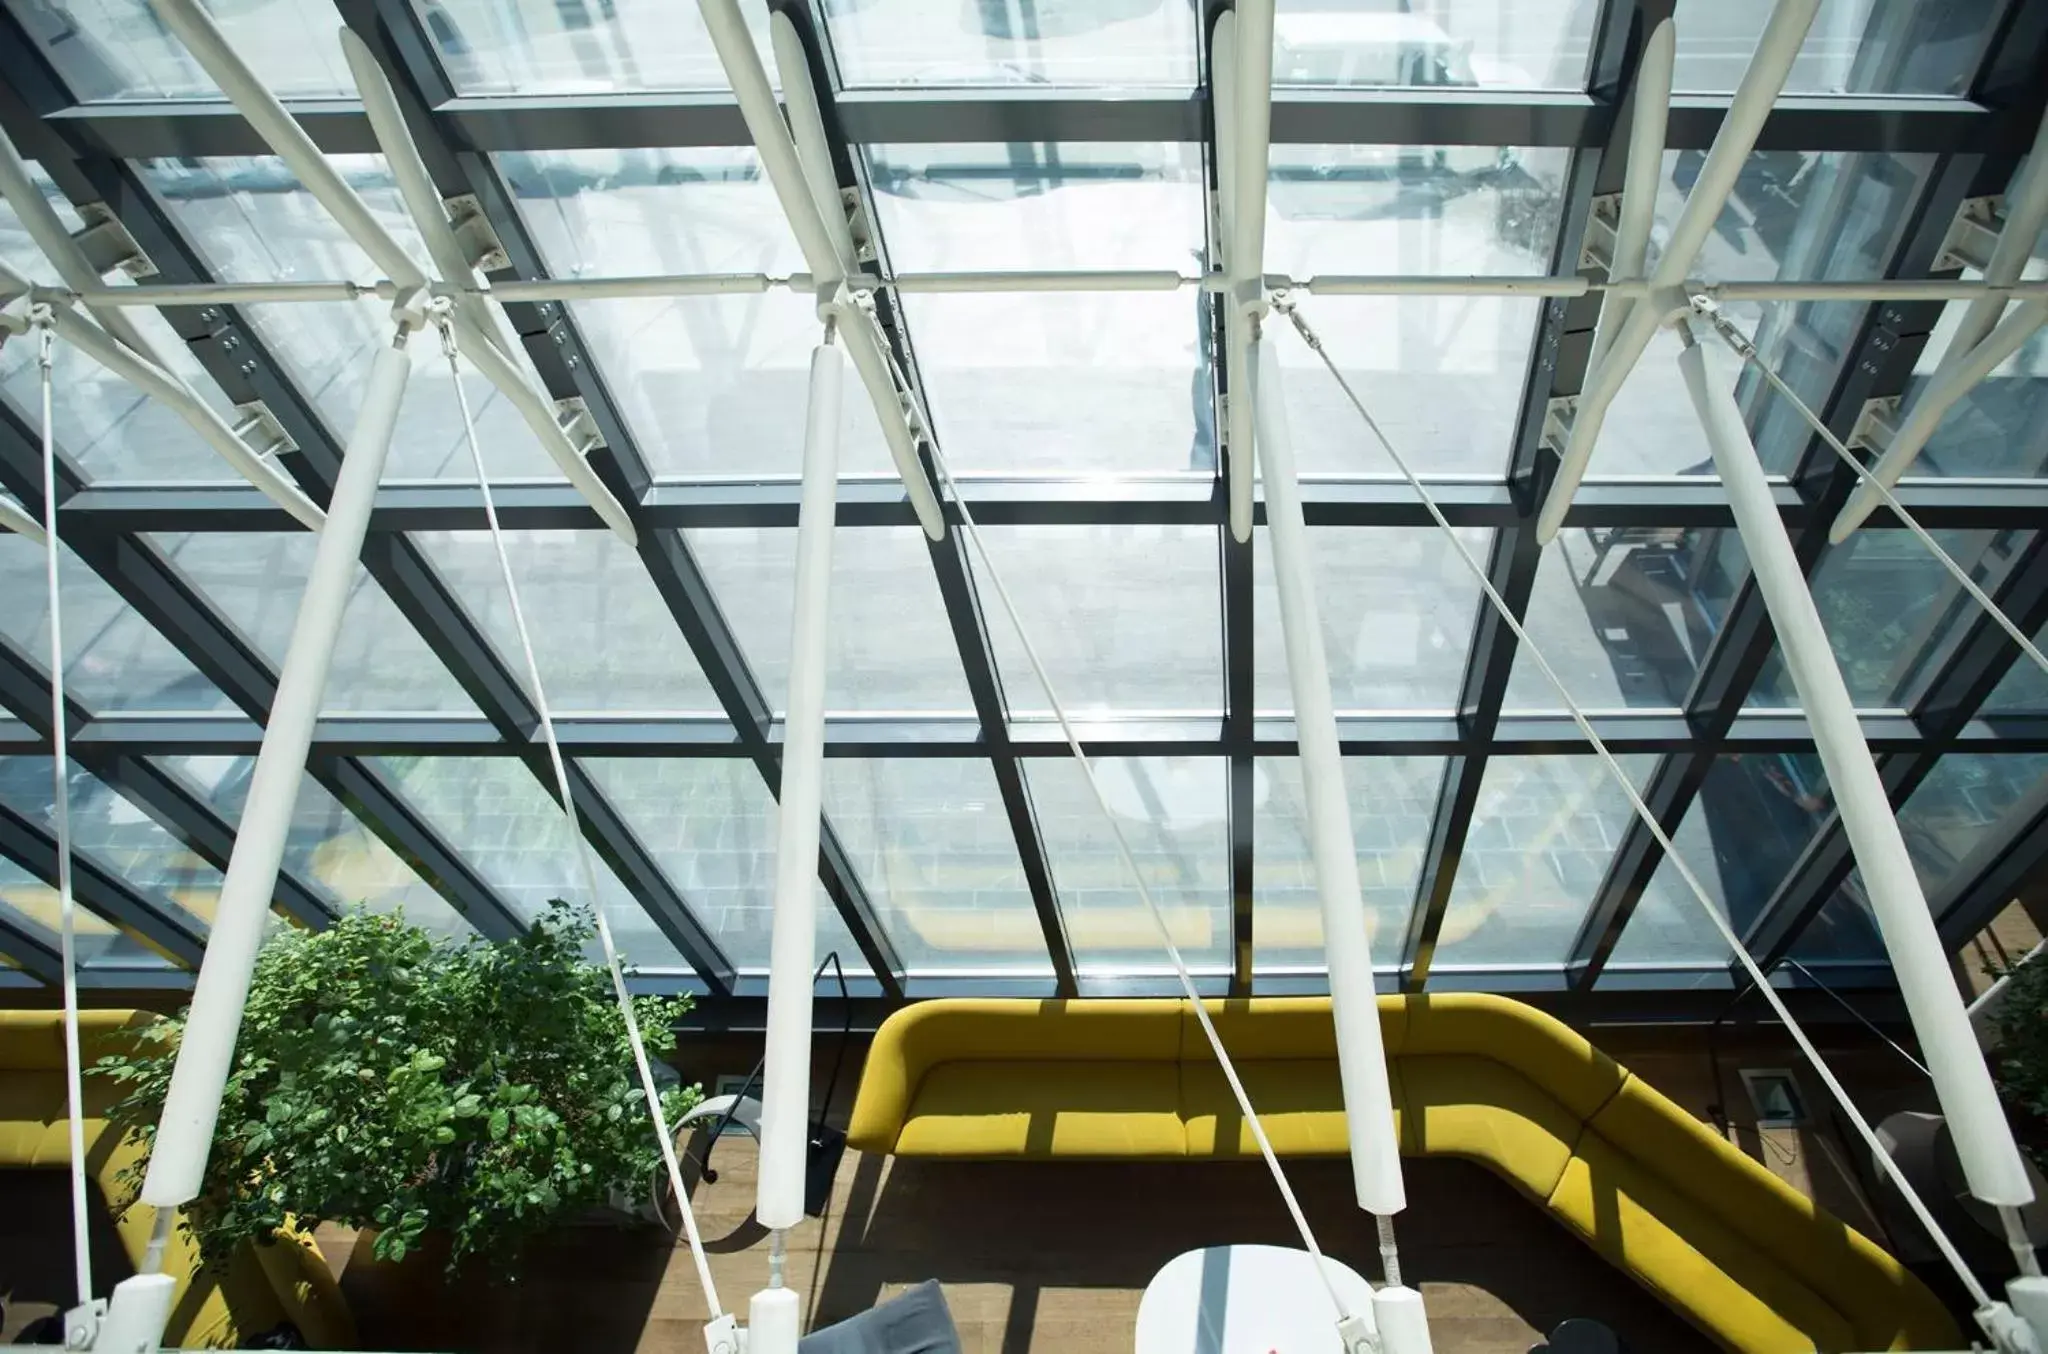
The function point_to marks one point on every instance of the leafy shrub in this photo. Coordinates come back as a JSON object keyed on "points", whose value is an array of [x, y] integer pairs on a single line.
{"points": [[2020, 1061], [388, 1079]]}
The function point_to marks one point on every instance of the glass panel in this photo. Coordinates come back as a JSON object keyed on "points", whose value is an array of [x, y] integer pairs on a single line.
{"points": [[117, 835], [1037, 382], [1413, 210], [113, 659], [511, 832], [326, 846], [1500, 44], [108, 50], [2001, 427], [1754, 815], [31, 905], [934, 850], [105, 426], [1175, 811], [1392, 800], [1625, 614], [1844, 933], [1889, 608], [1854, 46], [1396, 606], [257, 580], [710, 824], [1125, 618], [580, 46], [1119, 43], [603, 638], [890, 645], [1794, 216], [2025, 687], [1541, 838], [252, 222], [1955, 808], [712, 385]]}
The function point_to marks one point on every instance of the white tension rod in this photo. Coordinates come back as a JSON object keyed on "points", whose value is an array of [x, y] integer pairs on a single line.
{"points": [[823, 236], [1980, 342], [1241, 72], [1761, 84], [1984, 1143], [1638, 209]]}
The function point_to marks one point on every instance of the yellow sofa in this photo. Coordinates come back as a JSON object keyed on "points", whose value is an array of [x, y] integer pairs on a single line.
{"points": [[1743, 1256], [262, 1287]]}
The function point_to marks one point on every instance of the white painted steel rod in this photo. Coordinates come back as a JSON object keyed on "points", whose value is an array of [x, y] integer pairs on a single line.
{"points": [[1237, 409], [46, 231], [786, 1069], [1991, 1161], [152, 380], [177, 1162], [1761, 84], [2026, 211], [1645, 167], [807, 129], [14, 518], [1361, 1057], [1250, 111], [193, 26]]}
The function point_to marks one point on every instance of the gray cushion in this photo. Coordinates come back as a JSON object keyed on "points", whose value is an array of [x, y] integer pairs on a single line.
{"points": [[915, 1322]]}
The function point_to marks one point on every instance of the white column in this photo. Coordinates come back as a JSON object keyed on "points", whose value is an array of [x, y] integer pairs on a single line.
{"points": [[1645, 167], [1361, 1058], [1991, 1162], [177, 1164], [785, 1079]]}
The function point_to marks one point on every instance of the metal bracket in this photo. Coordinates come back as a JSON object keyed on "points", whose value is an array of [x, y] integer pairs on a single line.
{"points": [[82, 1324], [858, 225], [108, 246], [261, 432], [577, 424], [480, 243], [1972, 235], [1876, 423], [1602, 223], [1558, 413]]}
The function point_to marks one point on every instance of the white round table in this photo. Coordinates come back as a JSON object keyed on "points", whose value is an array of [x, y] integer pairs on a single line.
{"points": [[1246, 1300]]}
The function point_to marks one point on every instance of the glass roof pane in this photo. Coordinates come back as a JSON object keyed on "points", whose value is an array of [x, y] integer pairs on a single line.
{"points": [[1396, 606], [326, 846], [891, 647], [710, 823], [2025, 687], [113, 659], [1854, 46], [2001, 427], [112, 50], [1541, 838], [1494, 44], [1754, 815], [1392, 801], [31, 905], [252, 222], [257, 579], [1964, 798], [117, 835], [573, 47], [712, 386], [1889, 608], [512, 832], [1624, 615], [1175, 811], [1413, 210], [1116, 43], [1125, 618], [604, 640], [933, 848], [104, 426], [1794, 216]]}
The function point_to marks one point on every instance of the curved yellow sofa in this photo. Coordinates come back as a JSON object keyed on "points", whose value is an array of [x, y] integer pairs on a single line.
{"points": [[263, 1286], [1736, 1251]]}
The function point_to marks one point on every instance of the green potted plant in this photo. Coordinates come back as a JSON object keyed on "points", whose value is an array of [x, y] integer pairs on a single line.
{"points": [[2019, 1052], [423, 1088]]}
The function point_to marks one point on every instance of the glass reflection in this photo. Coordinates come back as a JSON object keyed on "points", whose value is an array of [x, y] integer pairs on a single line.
{"points": [[30, 905], [1392, 800], [1854, 46], [580, 46], [1494, 44], [112, 50], [1120, 43]]}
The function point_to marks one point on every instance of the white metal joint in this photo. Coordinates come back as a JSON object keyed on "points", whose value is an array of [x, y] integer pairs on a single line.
{"points": [[411, 308], [480, 243], [107, 245], [261, 432], [579, 425], [1876, 424], [857, 226], [1602, 226], [1973, 235], [82, 1324], [1558, 412]]}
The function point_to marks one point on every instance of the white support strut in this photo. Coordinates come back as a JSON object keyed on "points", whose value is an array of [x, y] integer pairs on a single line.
{"points": [[177, 1162], [1761, 84], [1241, 58], [1361, 1056], [1963, 365], [1990, 1159], [1647, 127]]}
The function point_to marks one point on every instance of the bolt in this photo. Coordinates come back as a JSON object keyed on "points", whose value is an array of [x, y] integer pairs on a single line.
{"points": [[209, 316], [229, 343], [572, 361], [249, 368], [561, 339]]}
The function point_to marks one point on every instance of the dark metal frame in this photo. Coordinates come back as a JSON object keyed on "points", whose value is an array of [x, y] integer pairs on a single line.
{"points": [[86, 149]]}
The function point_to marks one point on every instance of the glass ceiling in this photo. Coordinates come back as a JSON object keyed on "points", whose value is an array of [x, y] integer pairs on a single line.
{"points": [[962, 850]]}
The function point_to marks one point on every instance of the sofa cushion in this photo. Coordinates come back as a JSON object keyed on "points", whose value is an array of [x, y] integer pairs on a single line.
{"points": [[1298, 1100], [1045, 1109], [1460, 1105]]}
